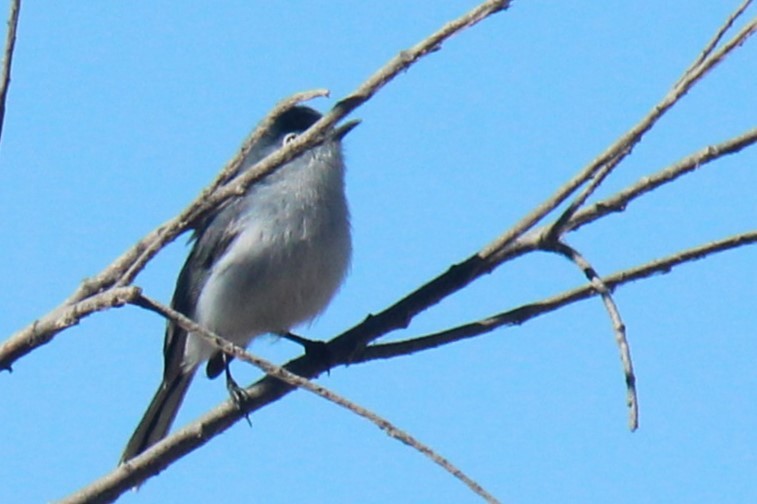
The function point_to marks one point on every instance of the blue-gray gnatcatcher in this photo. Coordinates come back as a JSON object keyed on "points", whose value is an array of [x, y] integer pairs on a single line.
{"points": [[262, 263]]}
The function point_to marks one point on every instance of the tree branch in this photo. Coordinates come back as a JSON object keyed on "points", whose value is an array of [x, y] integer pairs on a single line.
{"points": [[618, 326], [10, 44], [42, 330], [620, 200], [719, 35], [135, 471], [607, 162], [529, 311]]}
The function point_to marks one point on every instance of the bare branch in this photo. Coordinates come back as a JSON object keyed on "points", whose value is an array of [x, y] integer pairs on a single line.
{"points": [[700, 68], [605, 163], [719, 36], [154, 459], [43, 330], [618, 326], [526, 312], [405, 59], [298, 381], [689, 164], [10, 44], [459, 275]]}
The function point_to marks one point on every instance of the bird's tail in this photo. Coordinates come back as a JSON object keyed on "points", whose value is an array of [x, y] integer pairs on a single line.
{"points": [[159, 415]]}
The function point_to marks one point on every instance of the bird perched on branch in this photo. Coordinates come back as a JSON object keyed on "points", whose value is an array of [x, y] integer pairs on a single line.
{"points": [[262, 263]]}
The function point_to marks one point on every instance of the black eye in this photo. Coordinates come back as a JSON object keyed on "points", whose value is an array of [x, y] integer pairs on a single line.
{"points": [[288, 138]]}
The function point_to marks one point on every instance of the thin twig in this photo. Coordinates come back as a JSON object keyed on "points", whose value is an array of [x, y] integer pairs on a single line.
{"points": [[10, 44], [718, 36], [405, 59], [620, 200], [98, 490], [43, 330], [560, 225], [529, 311], [599, 169], [696, 71], [619, 328]]}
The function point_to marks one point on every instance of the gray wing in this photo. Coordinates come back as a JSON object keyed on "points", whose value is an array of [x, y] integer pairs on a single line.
{"points": [[211, 238]]}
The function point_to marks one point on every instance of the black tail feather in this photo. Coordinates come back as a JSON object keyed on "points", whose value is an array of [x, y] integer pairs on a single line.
{"points": [[159, 415]]}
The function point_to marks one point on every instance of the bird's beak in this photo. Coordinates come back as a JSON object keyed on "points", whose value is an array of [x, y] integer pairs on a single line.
{"points": [[341, 131]]}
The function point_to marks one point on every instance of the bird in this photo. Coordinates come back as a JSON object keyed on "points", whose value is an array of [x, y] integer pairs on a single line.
{"points": [[263, 262]]}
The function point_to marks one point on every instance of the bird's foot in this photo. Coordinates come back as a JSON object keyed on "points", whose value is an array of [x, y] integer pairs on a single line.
{"points": [[238, 394]]}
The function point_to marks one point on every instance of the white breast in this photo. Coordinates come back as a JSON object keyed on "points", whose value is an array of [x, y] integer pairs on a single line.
{"points": [[288, 260]]}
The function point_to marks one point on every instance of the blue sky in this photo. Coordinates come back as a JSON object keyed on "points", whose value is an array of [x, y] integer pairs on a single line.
{"points": [[119, 113]]}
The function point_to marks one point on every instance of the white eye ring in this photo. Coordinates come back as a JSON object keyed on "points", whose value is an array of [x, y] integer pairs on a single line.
{"points": [[288, 138]]}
